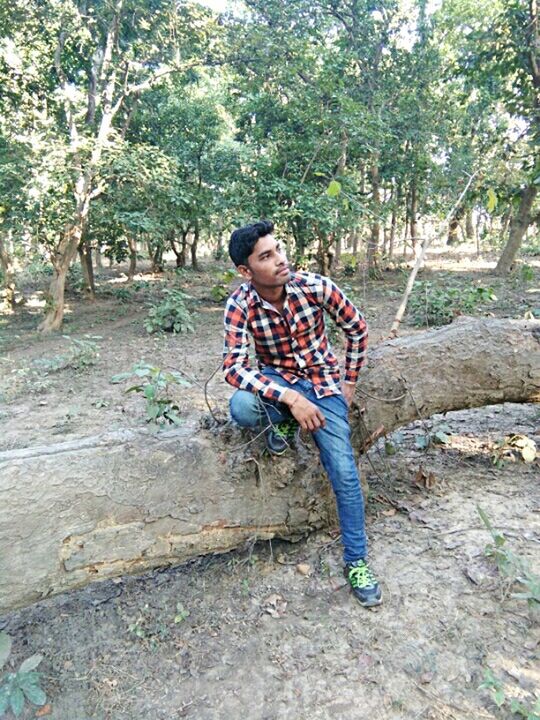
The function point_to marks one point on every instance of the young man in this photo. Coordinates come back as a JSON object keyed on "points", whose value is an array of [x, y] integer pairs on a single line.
{"points": [[297, 381]]}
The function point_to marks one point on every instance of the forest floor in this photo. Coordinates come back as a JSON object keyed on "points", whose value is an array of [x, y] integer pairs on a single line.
{"points": [[271, 632]]}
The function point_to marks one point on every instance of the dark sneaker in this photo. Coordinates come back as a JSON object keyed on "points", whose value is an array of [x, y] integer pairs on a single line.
{"points": [[363, 584], [280, 436]]}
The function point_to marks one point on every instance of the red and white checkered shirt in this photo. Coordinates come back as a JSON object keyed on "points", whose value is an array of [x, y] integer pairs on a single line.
{"points": [[294, 342]]}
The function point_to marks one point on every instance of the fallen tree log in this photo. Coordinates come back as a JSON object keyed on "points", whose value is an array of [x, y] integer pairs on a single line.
{"points": [[124, 502]]}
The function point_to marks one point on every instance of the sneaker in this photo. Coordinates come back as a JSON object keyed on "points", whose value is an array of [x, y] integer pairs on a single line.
{"points": [[363, 583], [280, 436]]}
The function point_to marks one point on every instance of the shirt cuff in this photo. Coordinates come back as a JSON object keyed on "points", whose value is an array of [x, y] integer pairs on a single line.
{"points": [[274, 392], [351, 376]]}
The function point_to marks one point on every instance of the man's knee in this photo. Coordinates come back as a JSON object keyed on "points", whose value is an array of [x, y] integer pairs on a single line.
{"points": [[245, 409]]}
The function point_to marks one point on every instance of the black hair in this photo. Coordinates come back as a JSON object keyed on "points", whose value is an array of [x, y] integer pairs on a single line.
{"points": [[244, 239]]}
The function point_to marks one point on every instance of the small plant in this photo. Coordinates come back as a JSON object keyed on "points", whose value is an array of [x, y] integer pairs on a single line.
{"points": [[181, 614], [526, 273], [514, 569], [84, 352], [23, 685], [496, 686], [220, 291], [123, 294], [148, 628], [430, 305], [153, 386], [170, 315]]}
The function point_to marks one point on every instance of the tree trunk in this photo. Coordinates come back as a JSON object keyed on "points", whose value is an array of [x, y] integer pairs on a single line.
{"points": [[453, 227], [337, 253], [126, 501], [9, 276], [155, 253], [469, 225], [518, 227], [414, 215], [132, 245], [392, 240], [194, 245], [62, 259], [54, 298], [97, 255], [374, 270], [355, 238], [322, 256], [85, 257]]}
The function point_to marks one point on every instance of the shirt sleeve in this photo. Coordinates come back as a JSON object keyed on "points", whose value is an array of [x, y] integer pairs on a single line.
{"points": [[352, 322], [236, 367]]}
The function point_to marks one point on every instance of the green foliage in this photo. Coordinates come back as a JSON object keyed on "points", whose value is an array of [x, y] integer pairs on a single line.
{"points": [[532, 247], [220, 291], [154, 384], [24, 685], [516, 707], [431, 305], [526, 273], [170, 315], [82, 353], [513, 568]]}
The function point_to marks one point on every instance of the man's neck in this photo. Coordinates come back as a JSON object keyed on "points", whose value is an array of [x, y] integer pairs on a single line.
{"points": [[273, 295]]}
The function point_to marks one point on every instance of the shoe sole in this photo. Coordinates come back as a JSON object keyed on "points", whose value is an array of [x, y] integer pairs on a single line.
{"points": [[370, 604]]}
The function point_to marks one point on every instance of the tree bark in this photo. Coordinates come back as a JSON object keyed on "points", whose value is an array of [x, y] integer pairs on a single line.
{"points": [[85, 257], [9, 276], [414, 215], [132, 244], [374, 269], [130, 500], [469, 225], [453, 226], [194, 245], [518, 226], [62, 259]]}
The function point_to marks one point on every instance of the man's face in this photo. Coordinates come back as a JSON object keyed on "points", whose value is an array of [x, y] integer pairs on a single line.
{"points": [[267, 265]]}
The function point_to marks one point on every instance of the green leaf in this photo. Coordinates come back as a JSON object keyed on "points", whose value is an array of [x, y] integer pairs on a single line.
{"points": [[16, 701], [35, 694], [422, 441], [31, 663], [492, 200], [441, 438], [4, 699], [389, 448], [120, 377], [333, 189], [5, 648], [499, 697]]}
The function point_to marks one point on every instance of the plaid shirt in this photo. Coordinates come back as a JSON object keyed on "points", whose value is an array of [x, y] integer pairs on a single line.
{"points": [[294, 342]]}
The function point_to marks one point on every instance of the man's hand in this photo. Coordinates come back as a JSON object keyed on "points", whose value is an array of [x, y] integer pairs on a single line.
{"points": [[347, 390], [308, 415]]}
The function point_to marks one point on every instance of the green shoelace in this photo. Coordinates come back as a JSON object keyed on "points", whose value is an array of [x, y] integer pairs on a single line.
{"points": [[360, 576]]}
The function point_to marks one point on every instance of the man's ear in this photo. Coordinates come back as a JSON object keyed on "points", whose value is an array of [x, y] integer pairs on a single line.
{"points": [[244, 271]]}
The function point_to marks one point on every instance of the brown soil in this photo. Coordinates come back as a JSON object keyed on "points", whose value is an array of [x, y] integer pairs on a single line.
{"points": [[251, 634]]}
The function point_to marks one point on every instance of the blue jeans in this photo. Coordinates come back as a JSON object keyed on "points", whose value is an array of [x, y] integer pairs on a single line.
{"points": [[334, 443]]}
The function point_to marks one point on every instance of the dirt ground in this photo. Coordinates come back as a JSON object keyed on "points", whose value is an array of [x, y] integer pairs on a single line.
{"points": [[271, 632]]}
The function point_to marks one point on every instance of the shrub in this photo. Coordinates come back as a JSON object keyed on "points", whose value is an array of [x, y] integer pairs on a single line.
{"points": [[430, 305], [23, 685], [153, 385], [170, 315], [220, 291]]}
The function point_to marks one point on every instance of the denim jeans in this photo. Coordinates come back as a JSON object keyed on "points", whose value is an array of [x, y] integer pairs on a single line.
{"points": [[334, 444]]}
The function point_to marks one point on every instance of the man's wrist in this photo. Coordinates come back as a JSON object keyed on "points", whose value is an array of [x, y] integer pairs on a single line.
{"points": [[290, 398]]}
